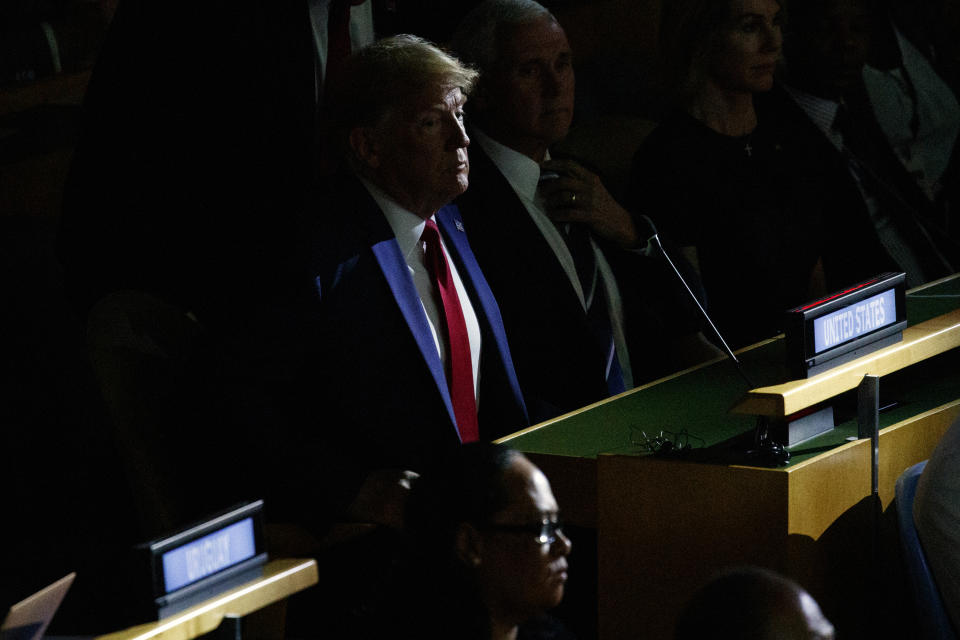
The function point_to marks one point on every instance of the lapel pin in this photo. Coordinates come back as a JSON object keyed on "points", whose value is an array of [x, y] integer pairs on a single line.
{"points": [[459, 225]]}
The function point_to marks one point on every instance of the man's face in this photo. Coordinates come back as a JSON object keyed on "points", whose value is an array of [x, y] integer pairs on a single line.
{"points": [[748, 47], [419, 155], [827, 46], [527, 100]]}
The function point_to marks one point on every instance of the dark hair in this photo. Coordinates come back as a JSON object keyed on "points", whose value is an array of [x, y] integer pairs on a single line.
{"points": [[431, 583], [466, 486], [478, 36], [737, 604]]}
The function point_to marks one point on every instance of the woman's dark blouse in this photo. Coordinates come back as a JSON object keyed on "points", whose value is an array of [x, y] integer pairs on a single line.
{"points": [[761, 210]]}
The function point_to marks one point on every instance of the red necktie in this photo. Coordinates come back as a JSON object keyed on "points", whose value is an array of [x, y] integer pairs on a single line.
{"points": [[459, 363]]}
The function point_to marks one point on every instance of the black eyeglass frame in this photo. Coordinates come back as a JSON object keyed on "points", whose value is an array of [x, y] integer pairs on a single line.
{"points": [[544, 532]]}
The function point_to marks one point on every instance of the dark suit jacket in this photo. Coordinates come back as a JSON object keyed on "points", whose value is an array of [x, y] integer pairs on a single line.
{"points": [[851, 240], [196, 149], [198, 144], [922, 224], [369, 390], [557, 362]]}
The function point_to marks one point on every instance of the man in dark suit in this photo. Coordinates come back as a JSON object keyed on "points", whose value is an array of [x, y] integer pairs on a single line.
{"points": [[826, 47], [201, 133], [408, 356], [589, 312]]}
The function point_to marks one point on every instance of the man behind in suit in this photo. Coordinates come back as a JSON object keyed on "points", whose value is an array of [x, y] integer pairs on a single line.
{"points": [[826, 47], [408, 355], [559, 255]]}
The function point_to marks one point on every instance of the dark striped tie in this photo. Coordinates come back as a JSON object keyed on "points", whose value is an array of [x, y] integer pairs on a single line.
{"points": [[577, 237]]}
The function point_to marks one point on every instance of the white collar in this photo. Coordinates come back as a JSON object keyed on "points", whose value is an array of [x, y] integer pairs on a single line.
{"points": [[822, 111], [521, 172], [407, 226]]}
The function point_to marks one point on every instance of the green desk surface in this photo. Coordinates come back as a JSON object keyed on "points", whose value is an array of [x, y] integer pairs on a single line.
{"points": [[694, 405], [932, 300]]}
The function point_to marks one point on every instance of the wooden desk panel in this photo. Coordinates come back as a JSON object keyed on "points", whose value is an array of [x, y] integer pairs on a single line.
{"points": [[281, 579], [909, 442], [665, 525]]}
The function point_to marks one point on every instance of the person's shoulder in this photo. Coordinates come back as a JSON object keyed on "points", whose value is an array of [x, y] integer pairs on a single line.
{"points": [[679, 140], [674, 124], [338, 226], [338, 208], [945, 459], [544, 627], [777, 109], [677, 154]]}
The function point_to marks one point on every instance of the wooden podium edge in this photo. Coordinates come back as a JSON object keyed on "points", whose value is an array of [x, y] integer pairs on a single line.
{"points": [[677, 374], [281, 579], [920, 342]]}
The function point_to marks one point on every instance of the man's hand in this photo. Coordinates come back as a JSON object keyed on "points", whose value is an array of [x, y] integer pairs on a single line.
{"points": [[579, 196], [382, 497]]}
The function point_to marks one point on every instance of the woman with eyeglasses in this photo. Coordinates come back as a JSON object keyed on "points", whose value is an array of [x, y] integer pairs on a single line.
{"points": [[488, 555]]}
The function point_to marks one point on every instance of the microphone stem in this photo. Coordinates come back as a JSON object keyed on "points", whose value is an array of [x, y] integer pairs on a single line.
{"points": [[656, 238], [766, 447]]}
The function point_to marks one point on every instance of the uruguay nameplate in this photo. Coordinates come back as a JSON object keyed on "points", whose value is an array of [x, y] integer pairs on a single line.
{"points": [[206, 558]]}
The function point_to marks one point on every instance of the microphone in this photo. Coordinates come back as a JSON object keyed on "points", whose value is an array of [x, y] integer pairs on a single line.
{"points": [[766, 448], [654, 246]]}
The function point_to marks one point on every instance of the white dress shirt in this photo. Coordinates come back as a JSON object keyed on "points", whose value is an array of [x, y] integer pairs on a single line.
{"points": [[523, 175], [408, 229]]}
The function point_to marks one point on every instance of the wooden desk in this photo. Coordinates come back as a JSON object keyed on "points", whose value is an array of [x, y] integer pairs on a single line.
{"points": [[281, 579], [666, 524], [920, 342]]}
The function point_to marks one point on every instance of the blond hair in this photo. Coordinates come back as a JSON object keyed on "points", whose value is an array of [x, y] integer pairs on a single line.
{"points": [[388, 74]]}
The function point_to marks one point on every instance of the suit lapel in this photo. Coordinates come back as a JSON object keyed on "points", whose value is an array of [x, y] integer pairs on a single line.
{"points": [[397, 274], [528, 242], [485, 305]]}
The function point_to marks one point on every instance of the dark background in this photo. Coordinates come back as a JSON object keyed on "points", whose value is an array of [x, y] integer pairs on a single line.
{"points": [[68, 503]]}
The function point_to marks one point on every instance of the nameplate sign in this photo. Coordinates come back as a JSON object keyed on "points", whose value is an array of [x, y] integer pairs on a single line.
{"points": [[846, 325], [205, 558]]}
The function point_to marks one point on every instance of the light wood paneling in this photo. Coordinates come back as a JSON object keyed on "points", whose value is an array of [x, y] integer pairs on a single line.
{"points": [[919, 343], [824, 488], [665, 526], [906, 443], [281, 578]]}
